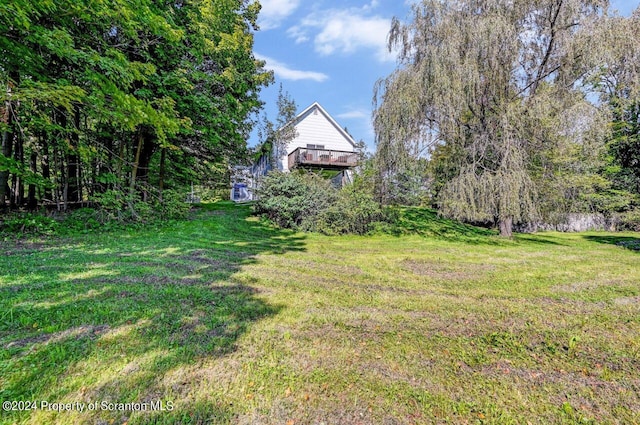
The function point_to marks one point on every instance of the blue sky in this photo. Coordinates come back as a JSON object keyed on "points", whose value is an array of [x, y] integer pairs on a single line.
{"points": [[333, 52]]}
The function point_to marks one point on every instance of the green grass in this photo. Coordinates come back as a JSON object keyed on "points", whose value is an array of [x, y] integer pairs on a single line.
{"points": [[231, 321]]}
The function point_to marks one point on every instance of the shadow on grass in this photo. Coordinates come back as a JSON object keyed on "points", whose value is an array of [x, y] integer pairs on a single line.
{"points": [[110, 316], [426, 222], [538, 239], [629, 242]]}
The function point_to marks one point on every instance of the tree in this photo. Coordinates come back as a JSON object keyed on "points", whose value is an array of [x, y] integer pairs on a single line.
{"points": [[275, 137], [618, 82], [492, 80]]}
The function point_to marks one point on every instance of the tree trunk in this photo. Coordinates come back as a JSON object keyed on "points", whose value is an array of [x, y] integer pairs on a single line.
{"points": [[7, 148], [44, 163], [58, 177], [144, 162], [17, 200], [32, 202], [506, 227], [136, 162], [163, 154], [73, 160], [61, 119], [121, 175]]}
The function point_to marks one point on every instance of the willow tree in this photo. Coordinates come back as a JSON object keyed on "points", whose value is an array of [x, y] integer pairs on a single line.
{"points": [[490, 80]]}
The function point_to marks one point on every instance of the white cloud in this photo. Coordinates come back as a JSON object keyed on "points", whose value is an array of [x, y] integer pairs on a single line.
{"points": [[360, 119], [286, 73], [355, 114], [345, 31], [273, 12], [371, 6]]}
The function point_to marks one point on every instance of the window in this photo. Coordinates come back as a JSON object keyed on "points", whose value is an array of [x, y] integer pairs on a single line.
{"points": [[315, 146]]}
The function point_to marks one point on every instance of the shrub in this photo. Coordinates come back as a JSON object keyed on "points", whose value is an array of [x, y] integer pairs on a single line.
{"points": [[114, 205], [28, 224], [83, 219], [306, 201], [111, 205], [354, 211], [289, 199], [172, 206], [629, 220]]}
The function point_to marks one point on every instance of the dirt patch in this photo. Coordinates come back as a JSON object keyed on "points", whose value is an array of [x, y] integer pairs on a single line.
{"points": [[577, 287], [235, 290], [627, 301], [77, 332], [218, 260], [603, 395], [22, 248], [152, 280], [304, 414], [321, 268], [567, 307], [438, 270], [587, 286]]}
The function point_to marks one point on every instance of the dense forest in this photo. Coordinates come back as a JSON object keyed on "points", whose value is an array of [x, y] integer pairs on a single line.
{"points": [[116, 101]]}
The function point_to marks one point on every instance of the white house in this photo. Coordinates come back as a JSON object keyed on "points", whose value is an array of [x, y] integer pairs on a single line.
{"points": [[320, 144]]}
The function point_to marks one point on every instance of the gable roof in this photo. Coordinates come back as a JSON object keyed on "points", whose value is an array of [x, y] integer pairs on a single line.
{"points": [[316, 106]]}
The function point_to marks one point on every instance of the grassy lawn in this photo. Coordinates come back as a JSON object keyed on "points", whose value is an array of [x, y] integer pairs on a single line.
{"points": [[226, 320]]}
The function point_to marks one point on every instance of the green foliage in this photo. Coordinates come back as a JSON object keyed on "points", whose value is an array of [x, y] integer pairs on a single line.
{"points": [[17, 169], [307, 201], [111, 205], [407, 185], [289, 199], [172, 206], [103, 97], [629, 220], [275, 137], [83, 220], [112, 211], [623, 149], [498, 103], [354, 211], [28, 224], [611, 201]]}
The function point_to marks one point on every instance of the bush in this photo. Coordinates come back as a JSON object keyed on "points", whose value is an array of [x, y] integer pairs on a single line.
{"points": [[114, 205], [83, 219], [354, 211], [172, 206], [111, 205], [28, 224], [629, 220], [306, 201], [113, 209], [292, 200]]}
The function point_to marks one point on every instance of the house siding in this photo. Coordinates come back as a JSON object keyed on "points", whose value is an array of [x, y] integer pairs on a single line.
{"points": [[315, 128]]}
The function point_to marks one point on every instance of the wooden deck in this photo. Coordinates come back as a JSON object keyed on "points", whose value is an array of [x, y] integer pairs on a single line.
{"points": [[322, 158]]}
